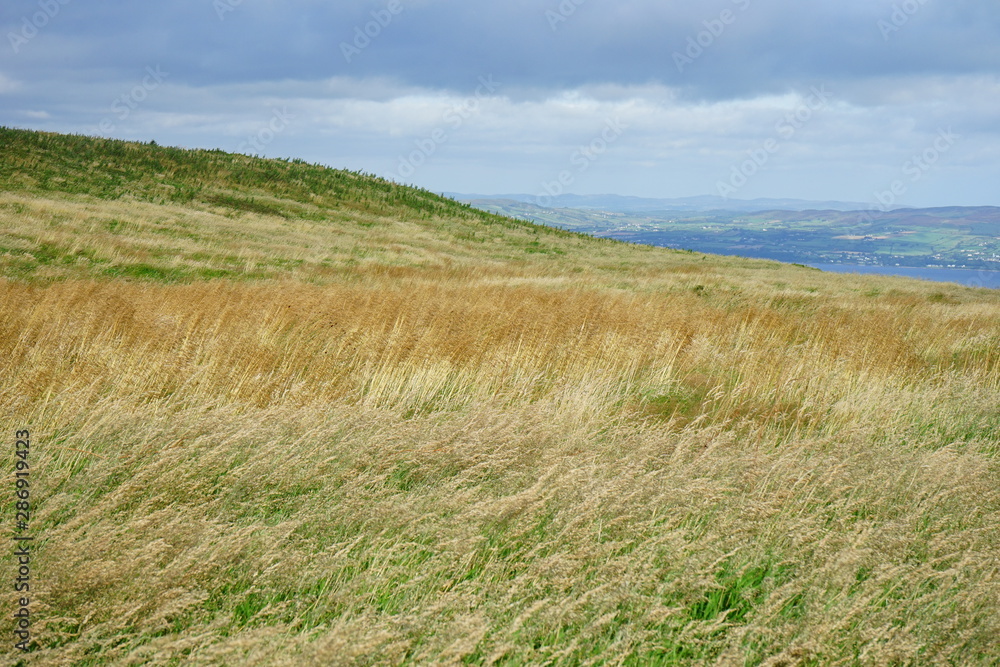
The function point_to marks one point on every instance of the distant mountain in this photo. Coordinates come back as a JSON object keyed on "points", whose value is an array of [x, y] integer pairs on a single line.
{"points": [[625, 204]]}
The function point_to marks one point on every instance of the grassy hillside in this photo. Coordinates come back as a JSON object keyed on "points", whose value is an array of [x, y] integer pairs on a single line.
{"points": [[83, 207], [288, 415]]}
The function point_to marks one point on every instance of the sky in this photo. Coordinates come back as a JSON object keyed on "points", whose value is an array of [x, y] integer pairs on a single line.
{"points": [[883, 102]]}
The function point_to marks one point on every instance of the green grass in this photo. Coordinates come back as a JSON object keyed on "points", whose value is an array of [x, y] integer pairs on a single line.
{"points": [[111, 169]]}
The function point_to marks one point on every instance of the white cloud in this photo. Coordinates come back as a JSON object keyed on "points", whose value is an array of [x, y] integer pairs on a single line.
{"points": [[8, 85], [672, 145]]}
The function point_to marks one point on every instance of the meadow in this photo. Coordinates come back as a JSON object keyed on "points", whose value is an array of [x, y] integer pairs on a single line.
{"points": [[288, 415]]}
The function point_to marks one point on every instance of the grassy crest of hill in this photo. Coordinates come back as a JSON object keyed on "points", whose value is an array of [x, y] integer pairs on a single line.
{"points": [[339, 428], [111, 169], [78, 206]]}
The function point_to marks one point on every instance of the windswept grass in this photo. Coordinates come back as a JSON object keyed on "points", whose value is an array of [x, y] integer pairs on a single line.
{"points": [[454, 450]]}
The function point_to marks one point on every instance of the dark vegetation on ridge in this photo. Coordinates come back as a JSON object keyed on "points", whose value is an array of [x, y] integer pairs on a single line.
{"points": [[114, 169]]}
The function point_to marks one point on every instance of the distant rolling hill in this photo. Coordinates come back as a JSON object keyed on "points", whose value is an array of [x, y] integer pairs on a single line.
{"points": [[966, 237], [624, 204]]}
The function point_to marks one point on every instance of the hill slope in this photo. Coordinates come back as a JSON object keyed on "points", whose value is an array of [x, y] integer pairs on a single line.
{"points": [[287, 415], [123, 209]]}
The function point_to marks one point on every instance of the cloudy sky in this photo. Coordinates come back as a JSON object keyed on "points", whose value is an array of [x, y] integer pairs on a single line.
{"points": [[857, 100]]}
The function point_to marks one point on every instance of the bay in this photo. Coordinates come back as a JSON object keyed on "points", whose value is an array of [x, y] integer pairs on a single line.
{"points": [[967, 277]]}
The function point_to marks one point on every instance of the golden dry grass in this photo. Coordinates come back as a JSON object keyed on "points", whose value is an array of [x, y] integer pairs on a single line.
{"points": [[450, 465]]}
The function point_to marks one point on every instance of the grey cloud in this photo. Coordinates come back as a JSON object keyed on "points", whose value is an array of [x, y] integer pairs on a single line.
{"points": [[771, 45]]}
